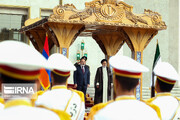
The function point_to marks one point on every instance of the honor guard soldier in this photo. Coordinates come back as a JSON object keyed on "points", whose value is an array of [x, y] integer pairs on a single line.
{"points": [[21, 64], [126, 73], [61, 98], [1, 104], [1, 99], [166, 78]]}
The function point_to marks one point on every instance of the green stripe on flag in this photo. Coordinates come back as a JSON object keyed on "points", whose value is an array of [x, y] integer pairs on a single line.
{"points": [[157, 55], [156, 59]]}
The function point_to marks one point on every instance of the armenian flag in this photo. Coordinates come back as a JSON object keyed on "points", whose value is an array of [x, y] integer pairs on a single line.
{"points": [[45, 78]]}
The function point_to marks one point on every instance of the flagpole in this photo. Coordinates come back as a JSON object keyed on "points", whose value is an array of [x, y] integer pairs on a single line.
{"points": [[60, 2], [152, 87], [153, 84]]}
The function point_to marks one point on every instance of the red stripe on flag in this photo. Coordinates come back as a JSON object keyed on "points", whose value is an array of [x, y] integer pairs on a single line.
{"points": [[46, 46]]}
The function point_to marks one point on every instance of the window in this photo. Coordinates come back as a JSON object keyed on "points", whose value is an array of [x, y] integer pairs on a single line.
{"points": [[46, 13], [11, 21]]}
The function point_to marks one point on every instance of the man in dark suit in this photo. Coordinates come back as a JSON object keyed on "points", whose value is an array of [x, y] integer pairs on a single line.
{"points": [[82, 76]]}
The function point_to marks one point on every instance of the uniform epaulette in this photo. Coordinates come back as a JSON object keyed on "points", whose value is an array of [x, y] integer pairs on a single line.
{"points": [[81, 94], [40, 92], [155, 107], [96, 108], [35, 96], [1, 100], [62, 114], [177, 98], [148, 100]]}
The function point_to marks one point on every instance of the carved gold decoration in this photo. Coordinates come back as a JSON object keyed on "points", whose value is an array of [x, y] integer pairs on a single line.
{"points": [[134, 18], [82, 15], [65, 33], [155, 17], [107, 12], [110, 42], [70, 6], [139, 38], [60, 10], [58, 13], [109, 1], [31, 21], [125, 6]]}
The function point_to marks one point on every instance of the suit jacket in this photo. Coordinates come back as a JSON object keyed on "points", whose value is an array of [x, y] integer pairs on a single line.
{"points": [[82, 79], [99, 79]]}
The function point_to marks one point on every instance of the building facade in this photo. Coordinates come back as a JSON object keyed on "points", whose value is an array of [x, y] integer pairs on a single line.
{"points": [[14, 13]]}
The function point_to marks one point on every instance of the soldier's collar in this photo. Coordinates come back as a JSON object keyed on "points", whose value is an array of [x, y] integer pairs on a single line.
{"points": [[17, 102], [59, 87], [1, 100], [125, 97], [164, 94]]}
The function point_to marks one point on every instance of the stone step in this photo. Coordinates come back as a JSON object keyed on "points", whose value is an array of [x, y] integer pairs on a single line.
{"points": [[146, 97], [146, 94], [176, 88], [177, 95], [173, 92], [145, 88]]}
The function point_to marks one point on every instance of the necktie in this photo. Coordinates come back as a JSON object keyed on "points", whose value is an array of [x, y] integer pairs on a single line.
{"points": [[83, 69]]}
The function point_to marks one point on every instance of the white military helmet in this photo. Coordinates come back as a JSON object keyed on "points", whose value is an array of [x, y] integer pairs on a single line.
{"points": [[166, 73], [127, 67], [60, 64], [20, 60]]}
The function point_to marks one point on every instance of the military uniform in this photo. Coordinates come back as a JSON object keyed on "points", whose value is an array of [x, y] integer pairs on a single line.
{"points": [[1, 104], [61, 98], [22, 64], [22, 109], [177, 115], [167, 103], [125, 107]]}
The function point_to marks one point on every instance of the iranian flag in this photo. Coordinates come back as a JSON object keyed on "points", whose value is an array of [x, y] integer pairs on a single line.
{"points": [[157, 58]]}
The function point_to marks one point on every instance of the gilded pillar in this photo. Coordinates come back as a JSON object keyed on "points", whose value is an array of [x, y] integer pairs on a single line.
{"points": [[109, 42], [138, 40], [66, 34]]}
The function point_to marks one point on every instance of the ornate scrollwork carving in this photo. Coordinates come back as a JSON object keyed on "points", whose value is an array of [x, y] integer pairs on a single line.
{"points": [[83, 14], [134, 18], [69, 6], [107, 12], [60, 10], [31, 21], [155, 17]]}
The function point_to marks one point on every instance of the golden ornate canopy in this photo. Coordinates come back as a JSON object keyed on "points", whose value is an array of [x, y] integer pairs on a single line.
{"points": [[99, 17]]}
